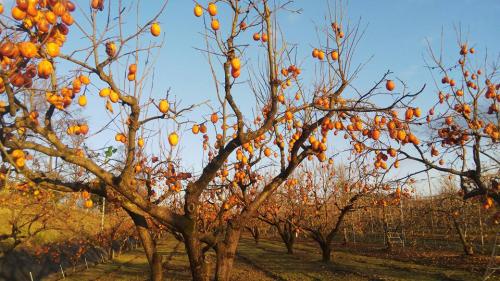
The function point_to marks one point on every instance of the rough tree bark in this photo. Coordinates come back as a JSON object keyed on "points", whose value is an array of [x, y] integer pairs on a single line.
{"points": [[326, 252], [255, 232], [226, 251], [468, 250], [196, 258], [149, 245], [385, 224], [287, 234]]}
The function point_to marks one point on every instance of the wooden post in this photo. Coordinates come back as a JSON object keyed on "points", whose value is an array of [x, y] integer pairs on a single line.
{"points": [[102, 218], [402, 222], [62, 271], [432, 207], [481, 227], [371, 220], [352, 229]]}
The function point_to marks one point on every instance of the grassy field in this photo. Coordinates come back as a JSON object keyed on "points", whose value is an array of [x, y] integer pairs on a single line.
{"points": [[268, 261], [82, 221]]}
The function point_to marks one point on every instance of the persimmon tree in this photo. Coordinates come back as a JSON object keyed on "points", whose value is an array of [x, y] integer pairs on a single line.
{"points": [[45, 85], [251, 149], [28, 213], [256, 228], [464, 122], [337, 191], [389, 198], [285, 211], [453, 208], [118, 232]]}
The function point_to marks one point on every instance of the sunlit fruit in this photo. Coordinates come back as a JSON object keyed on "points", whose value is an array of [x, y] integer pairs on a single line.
{"points": [[214, 118], [67, 19], [18, 14], [195, 129], [84, 129], [110, 49], [52, 49], [132, 68], [88, 203], [264, 37], [45, 69], [155, 29], [17, 153], [321, 55], [120, 137], [84, 79], [335, 55], [20, 162], [28, 49], [212, 9], [104, 92], [235, 73], [215, 24], [173, 139], [203, 128], [97, 4], [235, 63], [59, 9], [315, 53], [401, 135], [390, 85], [164, 106], [198, 10], [8, 49], [113, 96], [82, 100]]}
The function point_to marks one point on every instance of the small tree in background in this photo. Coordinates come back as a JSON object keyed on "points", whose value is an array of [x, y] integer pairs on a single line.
{"points": [[464, 123]]}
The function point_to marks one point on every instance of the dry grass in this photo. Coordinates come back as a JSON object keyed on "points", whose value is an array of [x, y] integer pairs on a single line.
{"points": [[269, 261]]}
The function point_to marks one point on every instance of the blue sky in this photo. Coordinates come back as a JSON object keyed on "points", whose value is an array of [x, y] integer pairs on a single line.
{"points": [[396, 33], [395, 36]]}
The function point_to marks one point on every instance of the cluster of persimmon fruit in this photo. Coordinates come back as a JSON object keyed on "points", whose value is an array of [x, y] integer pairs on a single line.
{"points": [[452, 133], [19, 157], [29, 188], [289, 73], [320, 54], [87, 202], [132, 70], [215, 24], [212, 11], [46, 23], [78, 129]]}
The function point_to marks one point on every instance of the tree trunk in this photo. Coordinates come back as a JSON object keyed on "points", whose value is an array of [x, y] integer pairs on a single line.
{"points": [[287, 234], [256, 235], [289, 239], [386, 232], [468, 250], [149, 245], [226, 251], [326, 252], [289, 247], [196, 258]]}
